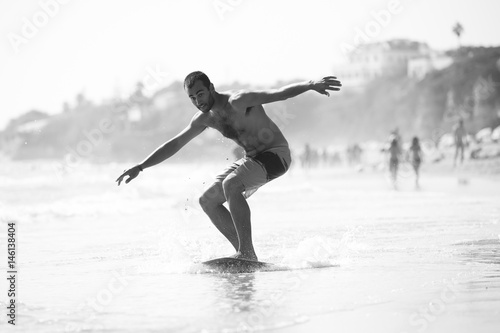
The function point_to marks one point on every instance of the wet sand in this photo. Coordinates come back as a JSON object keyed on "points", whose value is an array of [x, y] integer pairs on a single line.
{"points": [[102, 258]]}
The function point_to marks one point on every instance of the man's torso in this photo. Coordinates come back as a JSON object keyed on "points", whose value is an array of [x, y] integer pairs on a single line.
{"points": [[251, 129]]}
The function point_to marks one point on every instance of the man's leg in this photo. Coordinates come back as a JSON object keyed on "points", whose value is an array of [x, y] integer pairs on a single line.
{"points": [[212, 204], [240, 213]]}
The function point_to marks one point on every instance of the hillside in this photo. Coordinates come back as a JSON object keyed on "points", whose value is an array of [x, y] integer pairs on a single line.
{"points": [[133, 127]]}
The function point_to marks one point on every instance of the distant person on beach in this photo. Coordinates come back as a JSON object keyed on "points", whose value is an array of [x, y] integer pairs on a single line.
{"points": [[240, 116], [307, 156], [415, 157], [460, 138], [394, 155], [395, 134], [356, 153]]}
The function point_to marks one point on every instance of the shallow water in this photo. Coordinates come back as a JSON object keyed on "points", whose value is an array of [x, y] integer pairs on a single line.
{"points": [[97, 257]]}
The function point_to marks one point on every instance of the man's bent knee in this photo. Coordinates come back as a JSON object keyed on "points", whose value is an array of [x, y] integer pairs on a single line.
{"points": [[205, 203], [212, 197]]}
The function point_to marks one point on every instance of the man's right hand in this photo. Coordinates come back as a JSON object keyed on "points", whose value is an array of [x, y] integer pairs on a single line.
{"points": [[132, 173]]}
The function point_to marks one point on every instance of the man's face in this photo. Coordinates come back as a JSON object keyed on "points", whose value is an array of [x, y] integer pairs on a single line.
{"points": [[200, 96]]}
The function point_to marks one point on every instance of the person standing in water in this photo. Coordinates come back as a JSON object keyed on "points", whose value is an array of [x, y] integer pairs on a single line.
{"points": [[240, 116], [394, 155], [460, 138], [414, 155]]}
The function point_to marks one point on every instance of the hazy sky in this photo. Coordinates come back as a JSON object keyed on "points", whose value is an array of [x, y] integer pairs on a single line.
{"points": [[102, 48]]}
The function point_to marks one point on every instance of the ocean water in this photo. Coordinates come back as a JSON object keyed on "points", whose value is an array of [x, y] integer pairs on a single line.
{"points": [[356, 255]]}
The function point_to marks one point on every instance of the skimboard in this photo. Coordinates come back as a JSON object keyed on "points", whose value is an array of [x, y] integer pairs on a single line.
{"points": [[235, 265]]}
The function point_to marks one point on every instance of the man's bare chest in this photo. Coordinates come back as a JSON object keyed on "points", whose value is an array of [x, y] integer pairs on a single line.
{"points": [[229, 123]]}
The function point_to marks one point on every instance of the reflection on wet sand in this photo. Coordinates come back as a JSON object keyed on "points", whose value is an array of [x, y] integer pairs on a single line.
{"points": [[486, 284], [484, 251], [238, 290]]}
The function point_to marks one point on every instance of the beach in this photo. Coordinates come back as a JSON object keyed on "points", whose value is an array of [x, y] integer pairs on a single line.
{"points": [[356, 255]]}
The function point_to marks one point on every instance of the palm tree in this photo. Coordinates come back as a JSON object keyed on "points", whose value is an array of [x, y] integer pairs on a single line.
{"points": [[458, 29]]}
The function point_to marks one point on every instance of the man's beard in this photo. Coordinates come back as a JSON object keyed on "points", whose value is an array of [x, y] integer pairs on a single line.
{"points": [[209, 105]]}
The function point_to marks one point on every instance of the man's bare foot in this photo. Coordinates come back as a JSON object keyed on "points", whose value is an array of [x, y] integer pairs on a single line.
{"points": [[246, 256]]}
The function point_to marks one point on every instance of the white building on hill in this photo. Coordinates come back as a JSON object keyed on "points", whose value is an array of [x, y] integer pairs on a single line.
{"points": [[398, 57]]}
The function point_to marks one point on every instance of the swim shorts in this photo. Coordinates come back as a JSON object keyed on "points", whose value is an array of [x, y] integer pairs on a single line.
{"points": [[255, 171]]}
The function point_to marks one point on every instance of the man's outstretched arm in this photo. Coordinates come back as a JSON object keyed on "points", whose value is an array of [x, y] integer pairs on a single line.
{"points": [[166, 150], [246, 98]]}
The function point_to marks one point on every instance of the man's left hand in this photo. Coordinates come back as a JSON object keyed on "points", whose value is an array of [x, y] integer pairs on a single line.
{"points": [[327, 83]]}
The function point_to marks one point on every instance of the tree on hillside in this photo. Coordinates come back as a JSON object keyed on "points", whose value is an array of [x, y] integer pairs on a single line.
{"points": [[82, 103], [458, 29], [66, 107]]}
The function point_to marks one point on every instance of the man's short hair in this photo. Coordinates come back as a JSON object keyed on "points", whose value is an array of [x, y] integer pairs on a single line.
{"points": [[191, 79]]}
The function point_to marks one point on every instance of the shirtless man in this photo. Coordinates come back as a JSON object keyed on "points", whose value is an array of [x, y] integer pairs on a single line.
{"points": [[238, 115]]}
